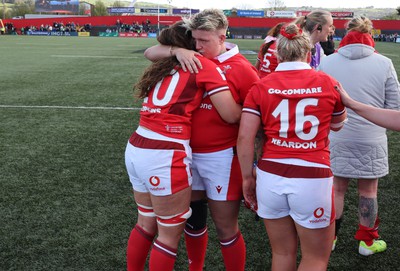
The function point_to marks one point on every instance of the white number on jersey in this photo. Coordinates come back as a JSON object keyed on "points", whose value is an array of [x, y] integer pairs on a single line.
{"points": [[266, 61], [282, 110], [168, 93]]}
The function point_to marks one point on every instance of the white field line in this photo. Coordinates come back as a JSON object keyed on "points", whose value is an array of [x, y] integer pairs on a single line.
{"points": [[83, 56], [68, 107], [41, 44]]}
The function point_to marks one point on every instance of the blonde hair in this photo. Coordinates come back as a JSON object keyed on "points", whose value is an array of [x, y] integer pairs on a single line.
{"points": [[208, 20], [359, 23], [295, 47], [311, 21]]}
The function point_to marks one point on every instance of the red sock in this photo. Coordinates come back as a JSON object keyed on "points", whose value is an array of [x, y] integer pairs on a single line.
{"points": [[196, 246], [234, 253], [162, 258], [368, 235], [139, 244]]}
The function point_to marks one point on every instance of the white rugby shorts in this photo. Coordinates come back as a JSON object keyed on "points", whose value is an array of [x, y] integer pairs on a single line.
{"points": [[158, 164], [218, 173], [303, 192]]}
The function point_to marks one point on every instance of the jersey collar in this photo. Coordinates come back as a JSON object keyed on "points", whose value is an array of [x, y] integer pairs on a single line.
{"points": [[232, 50], [288, 66]]}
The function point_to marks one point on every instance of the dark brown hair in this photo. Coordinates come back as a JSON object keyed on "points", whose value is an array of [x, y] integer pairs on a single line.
{"points": [[175, 35], [273, 32]]}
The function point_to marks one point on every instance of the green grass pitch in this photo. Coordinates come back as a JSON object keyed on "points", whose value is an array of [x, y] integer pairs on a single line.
{"points": [[66, 112]]}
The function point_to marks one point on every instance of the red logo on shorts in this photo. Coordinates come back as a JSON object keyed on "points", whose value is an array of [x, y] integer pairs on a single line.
{"points": [[154, 180], [319, 212], [219, 188]]}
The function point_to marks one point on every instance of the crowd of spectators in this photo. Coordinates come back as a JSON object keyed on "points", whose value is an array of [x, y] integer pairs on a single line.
{"points": [[386, 37], [134, 27], [144, 27], [57, 27], [9, 28]]}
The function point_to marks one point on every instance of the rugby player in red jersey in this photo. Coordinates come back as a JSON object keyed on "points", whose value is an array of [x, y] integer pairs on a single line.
{"points": [[158, 156], [266, 59], [293, 187], [216, 170]]}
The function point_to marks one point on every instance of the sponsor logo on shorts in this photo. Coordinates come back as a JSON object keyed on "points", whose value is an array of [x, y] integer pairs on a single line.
{"points": [[219, 188], [318, 214], [155, 181]]}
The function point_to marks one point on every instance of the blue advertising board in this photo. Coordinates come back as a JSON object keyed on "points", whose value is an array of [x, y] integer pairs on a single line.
{"points": [[250, 13]]}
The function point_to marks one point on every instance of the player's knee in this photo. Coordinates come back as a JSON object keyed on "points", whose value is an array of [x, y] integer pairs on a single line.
{"points": [[198, 220], [174, 220]]}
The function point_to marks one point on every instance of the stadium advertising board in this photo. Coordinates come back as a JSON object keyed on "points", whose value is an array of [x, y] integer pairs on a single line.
{"points": [[108, 34], [154, 10], [51, 33], [342, 14], [227, 12], [60, 6], [121, 10], [250, 13], [132, 35], [83, 34], [335, 14], [184, 11], [281, 13]]}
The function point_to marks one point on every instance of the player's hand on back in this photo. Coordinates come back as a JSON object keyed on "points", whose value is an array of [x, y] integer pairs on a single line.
{"points": [[188, 60]]}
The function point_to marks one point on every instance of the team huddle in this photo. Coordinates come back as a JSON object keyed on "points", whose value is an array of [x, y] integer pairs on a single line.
{"points": [[212, 134]]}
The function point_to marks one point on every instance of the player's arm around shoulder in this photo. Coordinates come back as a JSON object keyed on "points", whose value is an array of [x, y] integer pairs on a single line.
{"points": [[187, 58]]}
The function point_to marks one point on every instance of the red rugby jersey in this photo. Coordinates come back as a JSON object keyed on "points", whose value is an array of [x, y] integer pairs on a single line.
{"points": [[168, 108], [209, 131], [268, 61], [296, 106]]}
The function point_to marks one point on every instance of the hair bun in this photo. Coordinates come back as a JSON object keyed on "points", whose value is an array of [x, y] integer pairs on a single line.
{"points": [[291, 31]]}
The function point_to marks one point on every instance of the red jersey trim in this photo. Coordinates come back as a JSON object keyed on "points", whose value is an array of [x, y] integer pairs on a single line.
{"points": [[294, 171], [147, 143]]}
